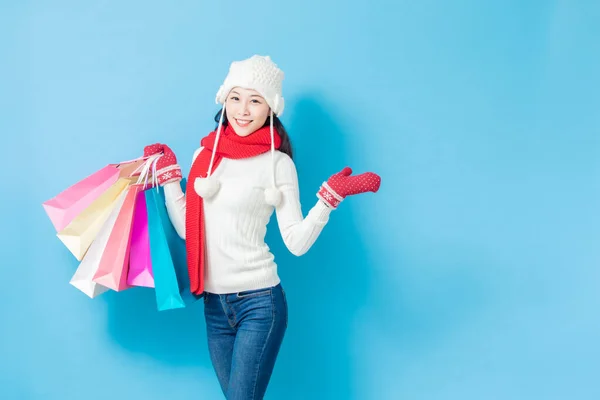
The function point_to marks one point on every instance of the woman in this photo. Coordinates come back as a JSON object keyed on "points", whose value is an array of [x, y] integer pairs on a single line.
{"points": [[240, 174]]}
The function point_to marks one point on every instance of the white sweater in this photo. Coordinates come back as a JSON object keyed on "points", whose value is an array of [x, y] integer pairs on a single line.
{"points": [[236, 220]]}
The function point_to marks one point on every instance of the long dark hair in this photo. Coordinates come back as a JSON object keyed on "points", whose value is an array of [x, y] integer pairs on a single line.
{"points": [[286, 144]]}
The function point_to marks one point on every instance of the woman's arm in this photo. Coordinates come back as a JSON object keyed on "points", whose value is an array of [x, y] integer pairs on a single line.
{"points": [[298, 233], [175, 201]]}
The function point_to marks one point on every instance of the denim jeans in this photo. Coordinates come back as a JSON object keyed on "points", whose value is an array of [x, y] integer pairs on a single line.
{"points": [[245, 331]]}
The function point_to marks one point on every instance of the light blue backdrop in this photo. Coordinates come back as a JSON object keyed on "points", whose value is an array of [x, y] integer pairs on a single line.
{"points": [[474, 273]]}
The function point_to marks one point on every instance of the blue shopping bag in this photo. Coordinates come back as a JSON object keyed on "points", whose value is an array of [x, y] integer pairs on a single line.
{"points": [[168, 255]]}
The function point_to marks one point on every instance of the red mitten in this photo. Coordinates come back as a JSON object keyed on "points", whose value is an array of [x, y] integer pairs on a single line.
{"points": [[152, 149], [167, 169], [340, 185]]}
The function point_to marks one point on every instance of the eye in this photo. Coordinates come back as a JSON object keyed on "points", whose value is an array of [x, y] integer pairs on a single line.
{"points": [[256, 101], [234, 98]]}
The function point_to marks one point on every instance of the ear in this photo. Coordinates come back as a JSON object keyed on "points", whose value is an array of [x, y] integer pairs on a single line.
{"points": [[221, 95], [278, 105]]}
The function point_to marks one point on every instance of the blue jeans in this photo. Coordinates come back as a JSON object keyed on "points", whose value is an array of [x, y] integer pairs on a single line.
{"points": [[245, 331]]}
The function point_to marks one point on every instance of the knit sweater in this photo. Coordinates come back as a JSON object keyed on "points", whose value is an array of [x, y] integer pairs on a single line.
{"points": [[236, 219]]}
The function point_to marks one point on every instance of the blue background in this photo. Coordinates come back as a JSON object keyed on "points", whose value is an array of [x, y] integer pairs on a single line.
{"points": [[472, 274]]}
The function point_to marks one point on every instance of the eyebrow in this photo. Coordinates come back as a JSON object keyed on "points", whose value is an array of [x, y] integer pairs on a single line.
{"points": [[253, 95]]}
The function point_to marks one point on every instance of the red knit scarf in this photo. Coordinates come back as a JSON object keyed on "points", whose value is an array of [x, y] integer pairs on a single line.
{"points": [[230, 145]]}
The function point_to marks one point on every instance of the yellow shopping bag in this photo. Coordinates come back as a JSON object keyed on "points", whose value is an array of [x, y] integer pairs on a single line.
{"points": [[81, 232]]}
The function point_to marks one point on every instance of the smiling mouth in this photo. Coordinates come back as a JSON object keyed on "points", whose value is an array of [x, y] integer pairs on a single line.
{"points": [[243, 122]]}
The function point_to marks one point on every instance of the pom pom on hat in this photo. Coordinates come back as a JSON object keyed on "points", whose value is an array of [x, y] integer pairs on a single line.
{"points": [[206, 187], [273, 196]]}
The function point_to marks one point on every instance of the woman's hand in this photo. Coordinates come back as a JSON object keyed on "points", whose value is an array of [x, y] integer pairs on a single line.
{"points": [[167, 169], [340, 185]]}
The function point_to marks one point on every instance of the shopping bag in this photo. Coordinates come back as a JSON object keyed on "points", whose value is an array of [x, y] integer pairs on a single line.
{"points": [[166, 286], [140, 263], [114, 263], [83, 277], [82, 230], [178, 250], [167, 250], [66, 205]]}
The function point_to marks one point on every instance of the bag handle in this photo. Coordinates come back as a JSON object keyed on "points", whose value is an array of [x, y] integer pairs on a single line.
{"points": [[131, 161], [146, 167]]}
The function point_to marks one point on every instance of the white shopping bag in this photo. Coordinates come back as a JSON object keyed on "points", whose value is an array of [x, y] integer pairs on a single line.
{"points": [[82, 279]]}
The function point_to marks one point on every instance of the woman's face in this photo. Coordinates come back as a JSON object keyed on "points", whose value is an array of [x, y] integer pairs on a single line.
{"points": [[246, 110]]}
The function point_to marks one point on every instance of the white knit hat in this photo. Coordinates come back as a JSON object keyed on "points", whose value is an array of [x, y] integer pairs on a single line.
{"points": [[261, 74], [258, 73]]}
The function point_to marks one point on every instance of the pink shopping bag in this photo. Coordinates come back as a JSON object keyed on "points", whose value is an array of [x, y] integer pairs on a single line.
{"points": [[114, 263], [65, 206], [140, 263]]}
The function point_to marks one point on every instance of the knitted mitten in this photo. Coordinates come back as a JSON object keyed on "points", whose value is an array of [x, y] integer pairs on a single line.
{"points": [[340, 185], [167, 169]]}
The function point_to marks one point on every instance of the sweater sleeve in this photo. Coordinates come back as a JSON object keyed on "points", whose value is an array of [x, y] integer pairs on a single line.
{"points": [[298, 233], [175, 202]]}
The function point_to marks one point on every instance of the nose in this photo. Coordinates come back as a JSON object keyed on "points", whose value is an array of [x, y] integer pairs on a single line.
{"points": [[244, 109]]}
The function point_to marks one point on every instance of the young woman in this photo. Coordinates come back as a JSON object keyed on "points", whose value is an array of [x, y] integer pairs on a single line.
{"points": [[242, 172]]}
